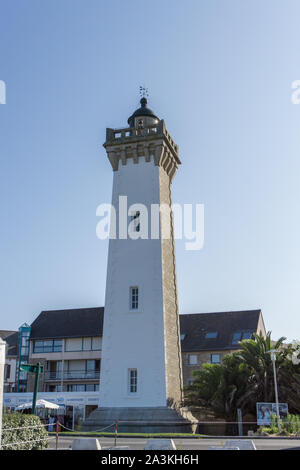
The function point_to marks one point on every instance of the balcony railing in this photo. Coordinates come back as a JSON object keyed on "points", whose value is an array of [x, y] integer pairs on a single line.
{"points": [[73, 375], [121, 134], [129, 133]]}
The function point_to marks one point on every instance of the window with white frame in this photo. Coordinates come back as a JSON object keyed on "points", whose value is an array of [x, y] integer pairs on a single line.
{"points": [[215, 358], [132, 380], [134, 298], [193, 359]]}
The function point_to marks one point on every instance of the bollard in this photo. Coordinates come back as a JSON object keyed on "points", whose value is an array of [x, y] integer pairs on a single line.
{"points": [[116, 432], [240, 421], [56, 436], [2, 363]]}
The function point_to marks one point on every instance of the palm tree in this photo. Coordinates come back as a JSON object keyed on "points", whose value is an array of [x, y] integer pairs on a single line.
{"points": [[232, 387], [219, 387], [244, 378], [256, 354]]}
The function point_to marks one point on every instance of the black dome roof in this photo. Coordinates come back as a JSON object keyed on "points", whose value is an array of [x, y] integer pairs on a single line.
{"points": [[142, 111]]}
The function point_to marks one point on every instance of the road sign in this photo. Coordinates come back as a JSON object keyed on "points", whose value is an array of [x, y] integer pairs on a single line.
{"points": [[36, 369], [32, 368]]}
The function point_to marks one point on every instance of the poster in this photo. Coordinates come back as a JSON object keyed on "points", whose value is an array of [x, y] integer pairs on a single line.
{"points": [[265, 411]]}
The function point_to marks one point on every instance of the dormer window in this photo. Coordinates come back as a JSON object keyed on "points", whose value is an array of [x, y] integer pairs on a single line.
{"points": [[240, 335], [211, 335]]}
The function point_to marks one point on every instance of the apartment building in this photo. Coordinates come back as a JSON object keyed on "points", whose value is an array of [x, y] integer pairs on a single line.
{"points": [[208, 337], [68, 344]]}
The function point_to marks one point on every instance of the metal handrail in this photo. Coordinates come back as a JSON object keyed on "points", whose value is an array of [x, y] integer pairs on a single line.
{"points": [[72, 375]]}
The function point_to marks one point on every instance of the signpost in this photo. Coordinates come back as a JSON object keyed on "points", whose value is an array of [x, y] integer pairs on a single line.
{"points": [[36, 369], [240, 421]]}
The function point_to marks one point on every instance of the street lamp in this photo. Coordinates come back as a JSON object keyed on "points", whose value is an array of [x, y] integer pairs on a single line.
{"points": [[273, 359]]}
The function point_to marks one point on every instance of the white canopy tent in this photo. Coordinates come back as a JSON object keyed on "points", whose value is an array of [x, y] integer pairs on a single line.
{"points": [[39, 404]]}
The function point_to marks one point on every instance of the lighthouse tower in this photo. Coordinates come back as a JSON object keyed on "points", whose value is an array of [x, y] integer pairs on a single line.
{"points": [[141, 375]]}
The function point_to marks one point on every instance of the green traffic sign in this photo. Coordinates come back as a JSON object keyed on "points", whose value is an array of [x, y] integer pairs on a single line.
{"points": [[32, 368], [36, 369]]}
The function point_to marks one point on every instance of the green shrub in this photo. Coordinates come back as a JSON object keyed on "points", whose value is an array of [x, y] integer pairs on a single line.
{"points": [[264, 430], [271, 429], [291, 424], [274, 425], [32, 435]]}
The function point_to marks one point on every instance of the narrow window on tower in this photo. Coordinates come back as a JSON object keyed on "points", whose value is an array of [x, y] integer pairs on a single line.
{"points": [[136, 221], [132, 380], [134, 298]]}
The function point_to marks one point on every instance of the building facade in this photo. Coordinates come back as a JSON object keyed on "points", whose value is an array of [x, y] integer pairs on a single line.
{"points": [[208, 337], [69, 345]]}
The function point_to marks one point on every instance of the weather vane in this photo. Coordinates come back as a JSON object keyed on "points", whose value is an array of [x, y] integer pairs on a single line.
{"points": [[144, 92]]}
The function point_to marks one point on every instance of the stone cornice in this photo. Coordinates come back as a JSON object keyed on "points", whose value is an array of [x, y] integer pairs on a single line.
{"points": [[122, 144]]}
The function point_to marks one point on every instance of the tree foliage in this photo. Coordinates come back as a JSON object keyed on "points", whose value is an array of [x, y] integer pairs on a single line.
{"points": [[245, 377]]}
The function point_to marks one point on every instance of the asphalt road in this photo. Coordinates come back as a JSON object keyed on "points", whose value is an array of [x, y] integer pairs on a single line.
{"points": [[184, 444]]}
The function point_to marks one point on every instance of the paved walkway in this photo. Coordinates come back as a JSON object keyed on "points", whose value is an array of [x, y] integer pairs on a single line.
{"points": [[185, 444]]}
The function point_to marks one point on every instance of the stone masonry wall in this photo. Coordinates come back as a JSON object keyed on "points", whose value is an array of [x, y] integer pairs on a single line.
{"points": [[171, 313]]}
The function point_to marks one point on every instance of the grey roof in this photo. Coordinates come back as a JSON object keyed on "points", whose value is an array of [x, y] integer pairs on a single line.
{"points": [[89, 322], [68, 323], [195, 326], [11, 338]]}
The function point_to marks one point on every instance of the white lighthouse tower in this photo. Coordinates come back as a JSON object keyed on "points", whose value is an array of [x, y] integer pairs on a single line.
{"points": [[141, 376]]}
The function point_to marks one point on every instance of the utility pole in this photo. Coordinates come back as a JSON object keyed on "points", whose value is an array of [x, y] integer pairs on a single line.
{"points": [[273, 359]]}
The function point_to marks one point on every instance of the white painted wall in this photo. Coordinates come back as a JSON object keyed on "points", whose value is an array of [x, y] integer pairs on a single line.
{"points": [[134, 339], [11, 380]]}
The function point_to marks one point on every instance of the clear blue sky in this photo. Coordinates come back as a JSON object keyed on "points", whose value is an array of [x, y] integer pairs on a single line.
{"points": [[220, 74]]}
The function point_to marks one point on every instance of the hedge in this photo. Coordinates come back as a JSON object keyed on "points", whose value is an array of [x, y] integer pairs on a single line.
{"points": [[32, 435]]}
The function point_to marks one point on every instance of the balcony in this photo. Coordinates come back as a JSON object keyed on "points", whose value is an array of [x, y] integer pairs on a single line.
{"points": [[131, 132], [72, 375], [115, 136]]}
